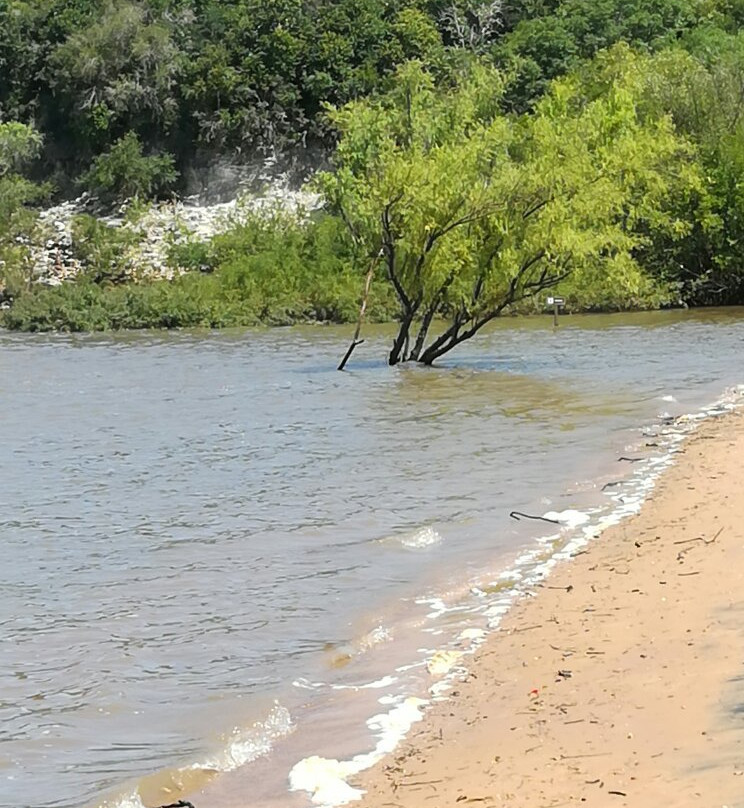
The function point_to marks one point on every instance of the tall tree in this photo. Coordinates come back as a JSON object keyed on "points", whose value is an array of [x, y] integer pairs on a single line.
{"points": [[475, 211], [119, 73]]}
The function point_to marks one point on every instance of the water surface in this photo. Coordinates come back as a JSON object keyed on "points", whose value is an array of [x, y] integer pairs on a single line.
{"points": [[194, 521]]}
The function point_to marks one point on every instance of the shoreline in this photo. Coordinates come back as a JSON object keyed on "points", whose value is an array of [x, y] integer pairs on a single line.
{"points": [[617, 682], [535, 318], [588, 426]]}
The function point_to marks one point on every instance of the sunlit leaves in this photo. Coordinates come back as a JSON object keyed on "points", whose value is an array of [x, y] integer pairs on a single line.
{"points": [[475, 211]]}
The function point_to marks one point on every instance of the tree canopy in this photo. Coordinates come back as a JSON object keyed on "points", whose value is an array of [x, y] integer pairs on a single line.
{"points": [[19, 144], [474, 211], [231, 79], [479, 151]]}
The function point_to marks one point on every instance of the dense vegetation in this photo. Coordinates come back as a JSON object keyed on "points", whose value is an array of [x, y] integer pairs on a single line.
{"points": [[199, 79], [480, 152], [270, 269]]}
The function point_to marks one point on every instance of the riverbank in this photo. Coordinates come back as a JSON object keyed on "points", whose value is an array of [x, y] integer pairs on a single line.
{"points": [[620, 683], [247, 264]]}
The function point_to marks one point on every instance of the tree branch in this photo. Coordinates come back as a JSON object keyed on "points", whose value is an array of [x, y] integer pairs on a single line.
{"points": [[362, 309]]}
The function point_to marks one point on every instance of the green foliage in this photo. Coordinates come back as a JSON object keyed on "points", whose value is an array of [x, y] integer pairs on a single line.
{"points": [[475, 212], [271, 270], [104, 251], [197, 77], [489, 148], [119, 72], [701, 90], [125, 172], [19, 144], [200, 79], [550, 39], [191, 256]]}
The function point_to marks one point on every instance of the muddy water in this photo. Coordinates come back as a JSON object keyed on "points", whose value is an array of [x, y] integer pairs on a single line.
{"points": [[202, 532]]}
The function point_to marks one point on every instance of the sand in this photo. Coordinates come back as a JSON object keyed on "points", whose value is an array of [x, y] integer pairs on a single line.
{"points": [[621, 682]]}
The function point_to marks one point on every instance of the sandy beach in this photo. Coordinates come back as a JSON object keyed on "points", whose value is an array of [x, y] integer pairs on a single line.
{"points": [[621, 682]]}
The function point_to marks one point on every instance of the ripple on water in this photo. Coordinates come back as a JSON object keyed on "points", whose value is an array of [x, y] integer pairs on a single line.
{"points": [[193, 520]]}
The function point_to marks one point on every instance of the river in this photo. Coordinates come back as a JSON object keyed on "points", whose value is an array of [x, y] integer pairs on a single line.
{"points": [[212, 540]]}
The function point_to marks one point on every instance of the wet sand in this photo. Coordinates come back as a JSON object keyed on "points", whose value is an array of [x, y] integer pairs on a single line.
{"points": [[621, 682]]}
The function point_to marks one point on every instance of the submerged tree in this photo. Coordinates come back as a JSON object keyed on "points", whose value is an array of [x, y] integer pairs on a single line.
{"points": [[475, 211]]}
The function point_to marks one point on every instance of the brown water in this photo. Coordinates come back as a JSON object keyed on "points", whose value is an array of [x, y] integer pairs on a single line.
{"points": [[199, 524]]}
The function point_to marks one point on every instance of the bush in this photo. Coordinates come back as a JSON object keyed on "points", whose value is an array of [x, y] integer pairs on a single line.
{"points": [[102, 250], [271, 270], [125, 172], [296, 271], [19, 145], [191, 256]]}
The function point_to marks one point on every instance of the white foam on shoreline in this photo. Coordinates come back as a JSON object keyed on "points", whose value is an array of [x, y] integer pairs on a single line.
{"points": [[443, 661], [327, 780], [378, 684], [568, 519], [129, 800], [245, 745]]}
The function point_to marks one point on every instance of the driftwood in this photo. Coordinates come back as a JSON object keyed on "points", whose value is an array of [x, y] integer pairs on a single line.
{"points": [[519, 515], [179, 804], [362, 309]]}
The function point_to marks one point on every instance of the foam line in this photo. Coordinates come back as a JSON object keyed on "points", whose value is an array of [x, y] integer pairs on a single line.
{"points": [[326, 780]]}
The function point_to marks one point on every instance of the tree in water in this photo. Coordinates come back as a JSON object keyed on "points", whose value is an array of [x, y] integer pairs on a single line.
{"points": [[475, 211]]}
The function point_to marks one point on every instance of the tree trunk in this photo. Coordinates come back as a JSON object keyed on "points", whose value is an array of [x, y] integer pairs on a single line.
{"points": [[418, 346], [397, 352], [453, 337], [436, 348]]}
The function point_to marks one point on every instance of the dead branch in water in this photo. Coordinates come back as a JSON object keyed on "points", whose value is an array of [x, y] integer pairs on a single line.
{"points": [[362, 309]]}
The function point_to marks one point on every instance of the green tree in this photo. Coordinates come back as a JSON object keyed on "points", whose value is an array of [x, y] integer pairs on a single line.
{"points": [[119, 73], [474, 211], [550, 39], [702, 90]]}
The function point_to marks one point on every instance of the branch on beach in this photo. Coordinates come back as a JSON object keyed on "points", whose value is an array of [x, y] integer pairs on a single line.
{"points": [[701, 538]]}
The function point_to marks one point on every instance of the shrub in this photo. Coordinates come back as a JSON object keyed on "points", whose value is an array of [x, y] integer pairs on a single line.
{"points": [[271, 270], [191, 256], [124, 172], [103, 250], [19, 145]]}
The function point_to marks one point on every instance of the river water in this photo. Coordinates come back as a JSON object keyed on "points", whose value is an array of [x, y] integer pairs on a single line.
{"points": [[211, 541]]}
